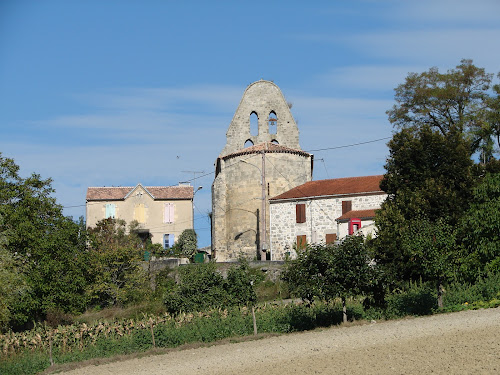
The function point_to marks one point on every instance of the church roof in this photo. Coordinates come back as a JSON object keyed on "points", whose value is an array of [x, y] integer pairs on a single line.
{"points": [[267, 147], [156, 192], [337, 186]]}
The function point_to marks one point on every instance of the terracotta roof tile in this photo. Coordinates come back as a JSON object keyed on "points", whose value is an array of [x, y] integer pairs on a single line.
{"points": [[268, 147], [158, 192], [338, 186], [359, 214]]}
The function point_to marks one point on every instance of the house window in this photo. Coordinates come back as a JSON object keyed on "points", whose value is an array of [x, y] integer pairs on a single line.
{"points": [[110, 211], [300, 213], [168, 213], [331, 238], [168, 241], [346, 207], [301, 242]]}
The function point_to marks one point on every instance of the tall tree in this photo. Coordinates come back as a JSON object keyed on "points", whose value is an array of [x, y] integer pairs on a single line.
{"points": [[45, 245], [480, 228], [428, 174], [444, 101], [12, 282]]}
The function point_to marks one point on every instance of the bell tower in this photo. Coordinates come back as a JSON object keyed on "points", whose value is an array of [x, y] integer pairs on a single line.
{"points": [[261, 159]]}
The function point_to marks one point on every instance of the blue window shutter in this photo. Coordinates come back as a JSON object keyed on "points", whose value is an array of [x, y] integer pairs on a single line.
{"points": [[110, 211], [171, 239]]}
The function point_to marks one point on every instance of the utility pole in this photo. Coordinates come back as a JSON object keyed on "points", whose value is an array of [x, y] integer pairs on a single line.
{"points": [[263, 246]]}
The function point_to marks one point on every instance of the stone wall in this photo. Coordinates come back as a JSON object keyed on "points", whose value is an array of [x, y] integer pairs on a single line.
{"points": [[262, 98], [237, 199], [321, 215], [237, 191]]}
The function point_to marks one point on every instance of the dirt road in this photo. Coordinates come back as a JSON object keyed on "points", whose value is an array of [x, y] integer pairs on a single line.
{"points": [[467, 342]]}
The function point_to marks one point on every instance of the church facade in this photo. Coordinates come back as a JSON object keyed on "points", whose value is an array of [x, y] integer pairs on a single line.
{"points": [[262, 158]]}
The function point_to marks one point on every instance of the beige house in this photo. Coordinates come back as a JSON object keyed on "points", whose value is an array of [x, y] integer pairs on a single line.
{"points": [[162, 212], [323, 211]]}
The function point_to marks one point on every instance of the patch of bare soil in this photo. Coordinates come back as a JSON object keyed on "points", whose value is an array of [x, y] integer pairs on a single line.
{"points": [[460, 343]]}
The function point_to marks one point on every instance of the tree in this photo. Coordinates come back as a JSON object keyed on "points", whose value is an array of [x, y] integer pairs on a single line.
{"points": [[45, 246], [442, 119], [307, 274], [428, 174], [188, 243], [12, 282], [429, 180], [480, 228], [350, 273], [428, 252], [240, 283], [201, 287], [451, 101], [116, 276], [326, 272]]}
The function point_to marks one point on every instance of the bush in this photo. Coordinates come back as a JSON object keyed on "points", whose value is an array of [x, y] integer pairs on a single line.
{"points": [[416, 299], [201, 287], [485, 289]]}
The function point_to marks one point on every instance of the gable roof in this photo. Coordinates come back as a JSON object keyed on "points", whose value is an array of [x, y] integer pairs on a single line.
{"points": [[358, 214], [156, 192], [267, 147], [337, 186]]}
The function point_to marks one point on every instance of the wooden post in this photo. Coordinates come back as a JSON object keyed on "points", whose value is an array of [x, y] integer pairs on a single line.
{"points": [[152, 332], [254, 321], [50, 351]]}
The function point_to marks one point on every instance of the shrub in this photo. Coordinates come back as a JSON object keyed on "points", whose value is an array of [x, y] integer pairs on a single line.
{"points": [[416, 299], [485, 289]]}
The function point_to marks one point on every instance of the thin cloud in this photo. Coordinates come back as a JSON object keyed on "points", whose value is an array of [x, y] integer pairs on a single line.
{"points": [[439, 46]]}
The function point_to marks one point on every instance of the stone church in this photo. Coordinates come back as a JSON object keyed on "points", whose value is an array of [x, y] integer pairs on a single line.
{"points": [[262, 158]]}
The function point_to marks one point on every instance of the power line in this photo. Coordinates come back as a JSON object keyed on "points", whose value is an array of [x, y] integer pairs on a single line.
{"points": [[351, 145], [233, 164]]}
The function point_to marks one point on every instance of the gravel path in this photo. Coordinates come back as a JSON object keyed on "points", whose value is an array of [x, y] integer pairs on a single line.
{"points": [[460, 343]]}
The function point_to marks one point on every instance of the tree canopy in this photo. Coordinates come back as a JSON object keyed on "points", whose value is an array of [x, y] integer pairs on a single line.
{"points": [[44, 245], [480, 230], [441, 120], [326, 272]]}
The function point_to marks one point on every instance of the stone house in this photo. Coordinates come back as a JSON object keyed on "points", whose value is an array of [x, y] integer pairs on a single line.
{"points": [[323, 211], [261, 158], [162, 212]]}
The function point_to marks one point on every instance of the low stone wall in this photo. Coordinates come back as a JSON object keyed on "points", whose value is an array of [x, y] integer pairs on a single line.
{"points": [[271, 269]]}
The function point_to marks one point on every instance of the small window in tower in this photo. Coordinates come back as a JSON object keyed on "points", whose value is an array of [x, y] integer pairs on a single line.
{"points": [[273, 123], [275, 142], [248, 143], [254, 124]]}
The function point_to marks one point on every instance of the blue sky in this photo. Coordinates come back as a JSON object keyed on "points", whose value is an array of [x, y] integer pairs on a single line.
{"points": [[101, 93]]}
